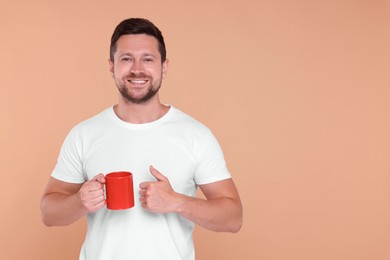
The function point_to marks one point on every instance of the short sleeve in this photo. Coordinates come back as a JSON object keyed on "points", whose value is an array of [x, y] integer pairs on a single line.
{"points": [[69, 167], [211, 166]]}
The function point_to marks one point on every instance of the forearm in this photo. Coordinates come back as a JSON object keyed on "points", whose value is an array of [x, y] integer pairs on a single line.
{"points": [[220, 211], [61, 209], [219, 214]]}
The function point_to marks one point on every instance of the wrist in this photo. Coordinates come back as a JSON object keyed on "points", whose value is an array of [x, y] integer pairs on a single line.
{"points": [[78, 197], [181, 204]]}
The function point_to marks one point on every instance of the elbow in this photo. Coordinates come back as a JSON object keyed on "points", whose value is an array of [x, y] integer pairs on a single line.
{"points": [[46, 221], [238, 221], [235, 223], [236, 227]]}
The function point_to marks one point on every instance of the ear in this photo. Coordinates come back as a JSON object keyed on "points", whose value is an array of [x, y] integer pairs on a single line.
{"points": [[111, 66], [165, 68]]}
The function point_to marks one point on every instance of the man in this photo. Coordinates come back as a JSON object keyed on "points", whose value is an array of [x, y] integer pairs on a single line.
{"points": [[169, 154]]}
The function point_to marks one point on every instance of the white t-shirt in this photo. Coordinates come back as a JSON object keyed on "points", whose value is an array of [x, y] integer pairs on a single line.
{"points": [[178, 146]]}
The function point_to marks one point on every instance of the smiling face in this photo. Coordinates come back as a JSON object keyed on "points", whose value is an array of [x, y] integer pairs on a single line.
{"points": [[137, 67]]}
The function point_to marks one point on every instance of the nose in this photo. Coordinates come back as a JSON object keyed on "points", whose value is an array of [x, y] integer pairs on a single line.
{"points": [[137, 67]]}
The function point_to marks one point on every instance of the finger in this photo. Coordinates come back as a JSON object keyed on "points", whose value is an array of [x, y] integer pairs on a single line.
{"points": [[97, 194], [144, 204], [95, 178], [99, 178], [94, 185], [89, 197], [157, 174], [144, 185], [98, 206], [97, 201]]}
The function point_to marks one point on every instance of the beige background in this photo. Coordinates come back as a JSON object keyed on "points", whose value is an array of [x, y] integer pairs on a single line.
{"points": [[297, 92]]}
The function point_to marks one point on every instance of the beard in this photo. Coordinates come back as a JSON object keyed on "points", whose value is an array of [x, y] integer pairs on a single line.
{"points": [[151, 89]]}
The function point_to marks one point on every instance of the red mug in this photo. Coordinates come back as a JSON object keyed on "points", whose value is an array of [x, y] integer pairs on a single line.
{"points": [[119, 190]]}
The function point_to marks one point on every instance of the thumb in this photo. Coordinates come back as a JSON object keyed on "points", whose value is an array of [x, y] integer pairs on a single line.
{"points": [[159, 176], [99, 178]]}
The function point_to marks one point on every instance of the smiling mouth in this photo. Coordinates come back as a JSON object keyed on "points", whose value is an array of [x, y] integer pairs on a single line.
{"points": [[137, 81]]}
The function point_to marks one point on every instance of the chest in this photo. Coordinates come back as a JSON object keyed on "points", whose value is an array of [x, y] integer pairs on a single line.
{"points": [[170, 153]]}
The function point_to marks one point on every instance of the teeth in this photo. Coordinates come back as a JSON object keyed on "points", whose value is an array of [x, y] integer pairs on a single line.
{"points": [[138, 81]]}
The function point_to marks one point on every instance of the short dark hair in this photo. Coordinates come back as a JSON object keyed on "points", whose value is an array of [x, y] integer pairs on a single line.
{"points": [[137, 26]]}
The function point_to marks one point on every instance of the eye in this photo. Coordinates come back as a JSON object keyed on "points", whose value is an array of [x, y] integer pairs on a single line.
{"points": [[148, 59], [125, 58]]}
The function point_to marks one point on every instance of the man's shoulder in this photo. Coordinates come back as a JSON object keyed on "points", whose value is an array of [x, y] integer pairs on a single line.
{"points": [[188, 120], [97, 121], [189, 125]]}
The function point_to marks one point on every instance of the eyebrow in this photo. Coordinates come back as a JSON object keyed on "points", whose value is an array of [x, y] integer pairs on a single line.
{"points": [[143, 55]]}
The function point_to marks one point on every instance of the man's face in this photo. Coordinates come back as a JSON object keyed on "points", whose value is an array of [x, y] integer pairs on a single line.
{"points": [[137, 68]]}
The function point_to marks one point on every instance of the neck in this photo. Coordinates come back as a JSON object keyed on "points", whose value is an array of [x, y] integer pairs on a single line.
{"points": [[140, 113]]}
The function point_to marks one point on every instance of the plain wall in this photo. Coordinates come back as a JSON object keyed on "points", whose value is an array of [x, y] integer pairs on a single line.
{"points": [[297, 93]]}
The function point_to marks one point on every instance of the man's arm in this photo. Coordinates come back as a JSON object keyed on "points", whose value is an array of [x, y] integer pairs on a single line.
{"points": [[63, 203], [220, 211]]}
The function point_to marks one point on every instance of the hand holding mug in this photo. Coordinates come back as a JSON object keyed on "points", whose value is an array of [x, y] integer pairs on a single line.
{"points": [[92, 193]]}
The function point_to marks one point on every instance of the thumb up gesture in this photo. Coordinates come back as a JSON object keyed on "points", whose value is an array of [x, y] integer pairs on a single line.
{"points": [[158, 196]]}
